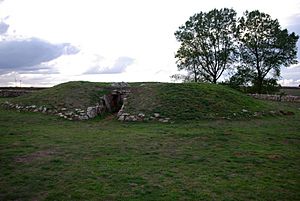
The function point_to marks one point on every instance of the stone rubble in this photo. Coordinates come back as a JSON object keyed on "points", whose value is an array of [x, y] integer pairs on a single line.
{"points": [[124, 116], [70, 114], [283, 98]]}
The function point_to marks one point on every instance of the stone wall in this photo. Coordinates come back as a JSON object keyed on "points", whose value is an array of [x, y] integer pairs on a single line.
{"points": [[8, 92], [107, 103], [286, 98], [12, 93]]}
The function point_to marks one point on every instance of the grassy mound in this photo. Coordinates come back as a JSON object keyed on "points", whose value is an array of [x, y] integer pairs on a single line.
{"points": [[77, 94], [177, 101], [192, 101]]}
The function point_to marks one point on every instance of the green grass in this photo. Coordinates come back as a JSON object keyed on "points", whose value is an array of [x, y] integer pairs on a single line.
{"points": [[46, 158], [190, 101]]}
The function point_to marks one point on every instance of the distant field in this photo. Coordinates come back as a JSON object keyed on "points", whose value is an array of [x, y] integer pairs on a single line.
{"points": [[46, 158], [294, 91]]}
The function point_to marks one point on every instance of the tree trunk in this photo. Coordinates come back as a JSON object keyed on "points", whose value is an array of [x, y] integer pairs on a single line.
{"points": [[195, 73], [259, 85], [215, 79]]}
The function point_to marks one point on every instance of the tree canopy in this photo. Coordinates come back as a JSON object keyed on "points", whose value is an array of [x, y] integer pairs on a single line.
{"points": [[213, 42], [207, 46], [264, 47]]}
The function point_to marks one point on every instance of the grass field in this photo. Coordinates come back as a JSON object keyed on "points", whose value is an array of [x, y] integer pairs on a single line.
{"points": [[46, 158]]}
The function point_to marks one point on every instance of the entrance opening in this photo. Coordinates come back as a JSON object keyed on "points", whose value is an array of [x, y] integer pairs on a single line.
{"points": [[116, 102]]}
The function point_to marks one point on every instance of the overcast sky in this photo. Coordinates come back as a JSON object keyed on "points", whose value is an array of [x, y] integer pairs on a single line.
{"points": [[46, 42]]}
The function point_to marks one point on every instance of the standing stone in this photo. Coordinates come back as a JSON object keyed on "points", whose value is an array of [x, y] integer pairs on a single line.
{"points": [[107, 102]]}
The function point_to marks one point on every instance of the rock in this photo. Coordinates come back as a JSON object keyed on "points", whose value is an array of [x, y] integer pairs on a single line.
{"points": [[156, 115], [121, 118], [141, 115], [63, 109], [91, 112], [69, 113], [131, 118], [44, 110], [257, 114], [119, 84], [84, 117], [60, 115], [107, 103], [163, 120], [244, 110], [120, 112]]}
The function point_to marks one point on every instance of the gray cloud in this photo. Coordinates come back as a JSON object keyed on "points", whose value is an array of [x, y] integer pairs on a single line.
{"points": [[119, 66], [3, 27], [29, 54]]}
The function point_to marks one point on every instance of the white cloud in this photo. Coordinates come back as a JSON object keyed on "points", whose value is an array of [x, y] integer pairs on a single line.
{"points": [[119, 66], [289, 82]]}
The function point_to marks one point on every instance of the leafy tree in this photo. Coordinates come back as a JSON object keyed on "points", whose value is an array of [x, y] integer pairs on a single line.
{"points": [[245, 80], [264, 47], [242, 78], [207, 45]]}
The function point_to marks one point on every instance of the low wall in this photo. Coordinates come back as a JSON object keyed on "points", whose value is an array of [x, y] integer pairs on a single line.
{"points": [[286, 98], [15, 91]]}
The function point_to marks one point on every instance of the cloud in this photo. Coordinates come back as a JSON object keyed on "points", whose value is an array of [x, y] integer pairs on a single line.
{"points": [[119, 66], [291, 75], [28, 80], [30, 54], [289, 82], [294, 26], [3, 27]]}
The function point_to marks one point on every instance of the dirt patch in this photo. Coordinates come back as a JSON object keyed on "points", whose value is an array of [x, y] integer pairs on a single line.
{"points": [[244, 154], [274, 156], [35, 156]]}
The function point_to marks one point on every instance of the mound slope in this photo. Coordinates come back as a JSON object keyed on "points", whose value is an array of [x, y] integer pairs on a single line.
{"points": [[189, 101], [76, 94]]}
